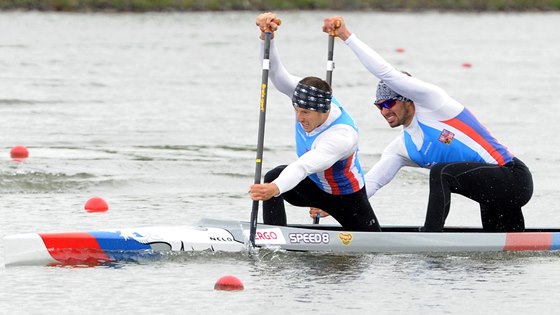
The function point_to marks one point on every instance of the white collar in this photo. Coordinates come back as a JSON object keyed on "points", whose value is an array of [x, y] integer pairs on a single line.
{"points": [[334, 113], [415, 132]]}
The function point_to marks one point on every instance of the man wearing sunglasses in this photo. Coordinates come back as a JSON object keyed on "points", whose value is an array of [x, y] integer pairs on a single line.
{"points": [[327, 173], [442, 135]]}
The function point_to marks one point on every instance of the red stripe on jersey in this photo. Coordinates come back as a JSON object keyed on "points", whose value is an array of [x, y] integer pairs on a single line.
{"points": [[335, 190], [471, 133], [353, 180]]}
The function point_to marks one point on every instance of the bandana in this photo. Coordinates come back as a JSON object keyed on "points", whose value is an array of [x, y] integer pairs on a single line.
{"points": [[312, 98], [384, 92]]}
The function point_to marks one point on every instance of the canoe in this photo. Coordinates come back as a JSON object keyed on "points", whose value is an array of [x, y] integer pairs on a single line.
{"points": [[131, 244]]}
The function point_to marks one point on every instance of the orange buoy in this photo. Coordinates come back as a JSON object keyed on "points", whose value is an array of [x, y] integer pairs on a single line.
{"points": [[19, 153], [96, 204], [399, 50], [228, 283]]}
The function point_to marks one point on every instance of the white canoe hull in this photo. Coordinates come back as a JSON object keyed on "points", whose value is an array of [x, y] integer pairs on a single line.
{"points": [[232, 236]]}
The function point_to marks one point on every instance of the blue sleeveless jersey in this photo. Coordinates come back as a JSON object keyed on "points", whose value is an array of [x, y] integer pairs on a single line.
{"points": [[460, 139], [345, 176]]}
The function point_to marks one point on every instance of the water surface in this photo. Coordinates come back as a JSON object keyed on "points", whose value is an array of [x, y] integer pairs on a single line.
{"points": [[158, 114]]}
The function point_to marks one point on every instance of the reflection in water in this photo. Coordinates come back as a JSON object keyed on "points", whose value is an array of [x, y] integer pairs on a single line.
{"points": [[456, 270], [326, 268]]}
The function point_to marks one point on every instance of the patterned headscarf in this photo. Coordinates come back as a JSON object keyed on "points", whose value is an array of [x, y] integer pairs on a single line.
{"points": [[312, 98], [384, 92]]}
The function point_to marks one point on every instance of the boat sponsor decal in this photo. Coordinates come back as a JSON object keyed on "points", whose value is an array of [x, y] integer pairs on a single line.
{"points": [[269, 236], [221, 238], [346, 238], [309, 238]]}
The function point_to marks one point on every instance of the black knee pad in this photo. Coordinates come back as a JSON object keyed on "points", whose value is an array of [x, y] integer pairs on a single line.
{"points": [[273, 173]]}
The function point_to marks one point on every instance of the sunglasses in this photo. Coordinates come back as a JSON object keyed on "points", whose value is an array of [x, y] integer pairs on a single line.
{"points": [[386, 104]]}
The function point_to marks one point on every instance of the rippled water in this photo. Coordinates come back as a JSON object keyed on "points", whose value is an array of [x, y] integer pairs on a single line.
{"points": [[158, 114]]}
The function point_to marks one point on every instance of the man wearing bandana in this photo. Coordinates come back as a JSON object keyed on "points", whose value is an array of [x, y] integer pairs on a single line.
{"points": [[444, 136], [327, 173]]}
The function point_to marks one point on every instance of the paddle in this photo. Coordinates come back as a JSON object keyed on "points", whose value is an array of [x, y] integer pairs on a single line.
{"points": [[260, 140], [330, 68], [330, 63]]}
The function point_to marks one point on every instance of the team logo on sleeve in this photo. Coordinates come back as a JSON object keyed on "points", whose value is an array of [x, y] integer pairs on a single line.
{"points": [[446, 136]]}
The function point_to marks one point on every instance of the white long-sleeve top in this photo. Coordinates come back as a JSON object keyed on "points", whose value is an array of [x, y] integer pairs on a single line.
{"points": [[442, 129], [337, 142]]}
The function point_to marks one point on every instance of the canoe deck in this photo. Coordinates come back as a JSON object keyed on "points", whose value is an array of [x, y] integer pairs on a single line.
{"points": [[94, 247]]}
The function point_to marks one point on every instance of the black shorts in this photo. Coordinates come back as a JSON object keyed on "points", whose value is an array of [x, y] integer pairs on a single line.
{"points": [[501, 191], [353, 211]]}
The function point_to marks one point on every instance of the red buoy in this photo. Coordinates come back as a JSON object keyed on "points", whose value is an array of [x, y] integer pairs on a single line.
{"points": [[96, 204], [467, 65], [399, 50], [228, 283], [19, 152]]}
